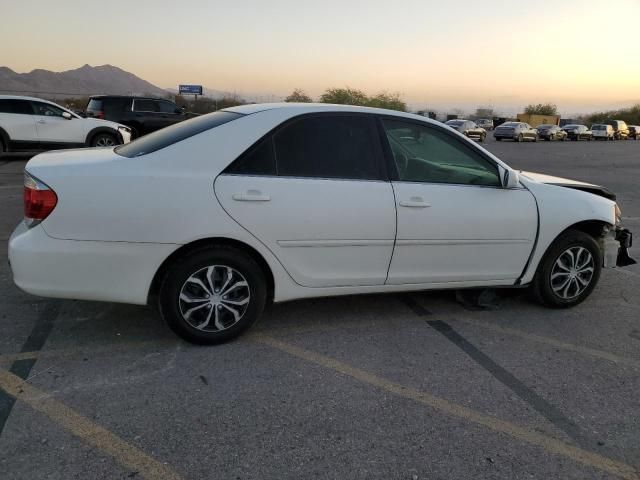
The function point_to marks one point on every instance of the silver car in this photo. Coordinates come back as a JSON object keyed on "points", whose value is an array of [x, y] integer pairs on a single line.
{"points": [[516, 131]]}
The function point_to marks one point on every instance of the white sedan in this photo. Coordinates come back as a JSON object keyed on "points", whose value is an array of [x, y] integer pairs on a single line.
{"points": [[216, 216]]}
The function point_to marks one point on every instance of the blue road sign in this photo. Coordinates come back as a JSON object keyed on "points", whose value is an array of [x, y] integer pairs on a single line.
{"points": [[190, 89]]}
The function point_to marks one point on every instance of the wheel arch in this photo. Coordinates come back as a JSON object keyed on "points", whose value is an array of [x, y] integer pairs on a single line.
{"points": [[4, 136], [186, 249], [97, 130]]}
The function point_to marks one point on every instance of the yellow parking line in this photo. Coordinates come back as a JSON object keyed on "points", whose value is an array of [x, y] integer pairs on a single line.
{"points": [[549, 444], [105, 441], [550, 341]]}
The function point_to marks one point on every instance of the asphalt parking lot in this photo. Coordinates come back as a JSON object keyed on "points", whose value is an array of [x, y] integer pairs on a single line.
{"points": [[416, 386]]}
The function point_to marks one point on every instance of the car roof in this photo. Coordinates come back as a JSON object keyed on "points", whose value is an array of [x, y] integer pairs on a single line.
{"points": [[139, 97], [22, 97], [300, 108]]}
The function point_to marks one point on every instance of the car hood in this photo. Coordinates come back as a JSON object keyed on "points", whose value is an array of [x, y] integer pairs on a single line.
{"points": [[566, 182], [96, 122]]}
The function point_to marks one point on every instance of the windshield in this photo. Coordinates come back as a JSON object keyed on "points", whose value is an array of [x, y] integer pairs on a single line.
{"points": [[545, 126], [455, 123], [175, 133], [510, 124]]}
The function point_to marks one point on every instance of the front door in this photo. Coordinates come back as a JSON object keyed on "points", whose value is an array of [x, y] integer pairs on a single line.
{"points": [[314, 194], [456, 224], [54, 130]]}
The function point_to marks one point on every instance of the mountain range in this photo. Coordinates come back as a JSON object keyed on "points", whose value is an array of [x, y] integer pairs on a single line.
{"points": [[86, 80]]}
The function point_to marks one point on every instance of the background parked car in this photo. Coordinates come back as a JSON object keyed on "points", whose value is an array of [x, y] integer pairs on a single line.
{"points": [[634, 132], [578, 132], [142, 114], [516, 131], [551, 132], [601, 131], [620, 129], [468, 129], [30, 124], [485, 123]]}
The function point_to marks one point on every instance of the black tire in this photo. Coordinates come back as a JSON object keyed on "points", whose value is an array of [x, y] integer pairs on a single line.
{"points": [[498, 139], [542, 288], [2, 147], [175, 281], [104, 140]]}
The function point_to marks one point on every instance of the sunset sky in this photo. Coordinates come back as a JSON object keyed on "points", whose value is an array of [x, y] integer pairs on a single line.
{"points": [[578, 54]]}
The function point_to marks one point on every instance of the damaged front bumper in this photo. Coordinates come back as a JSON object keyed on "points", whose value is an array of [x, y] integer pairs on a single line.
{"points": [[615, 248]]}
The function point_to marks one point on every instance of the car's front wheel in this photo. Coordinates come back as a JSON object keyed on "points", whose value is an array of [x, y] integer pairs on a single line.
{"points": [[212, 295], [104, 140], [569, 271]]}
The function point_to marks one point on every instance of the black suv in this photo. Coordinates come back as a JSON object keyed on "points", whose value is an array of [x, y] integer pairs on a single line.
{"points": [[142, 114]]}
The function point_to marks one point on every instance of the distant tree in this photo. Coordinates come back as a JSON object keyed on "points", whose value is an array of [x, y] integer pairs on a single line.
{"points": [[391, 101], [299, 96], [541, 109], [630, 115], [344, 96], [484, 112]]}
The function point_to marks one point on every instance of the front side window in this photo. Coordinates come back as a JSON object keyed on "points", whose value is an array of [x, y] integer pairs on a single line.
{"points": [[168, 107], [47, 110], [327, 146], [145, 105], [429, 155]]}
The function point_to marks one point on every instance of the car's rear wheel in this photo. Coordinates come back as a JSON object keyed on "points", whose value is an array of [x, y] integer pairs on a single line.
{"points": [[212, 295], [2, 147], [498, 139], [569, 271], [104, 140]]}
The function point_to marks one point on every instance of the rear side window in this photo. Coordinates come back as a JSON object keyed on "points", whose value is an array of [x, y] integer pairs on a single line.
{"points": [[327, 147], [21, 107], [175, 133]]}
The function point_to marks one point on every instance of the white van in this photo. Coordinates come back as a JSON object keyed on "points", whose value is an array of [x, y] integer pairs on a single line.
{"points": [[602, 132]]}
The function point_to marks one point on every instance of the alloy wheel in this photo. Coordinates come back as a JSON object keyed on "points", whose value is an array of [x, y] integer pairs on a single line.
{"points": [[572, 272], [105, 141], [214, 298]]}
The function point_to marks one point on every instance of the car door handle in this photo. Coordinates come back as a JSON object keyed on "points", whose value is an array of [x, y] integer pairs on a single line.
{"points": [[415, 202], [251, 196]]}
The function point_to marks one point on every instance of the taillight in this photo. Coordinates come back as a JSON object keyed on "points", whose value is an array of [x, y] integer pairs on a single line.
{"points": [[39, 200]]}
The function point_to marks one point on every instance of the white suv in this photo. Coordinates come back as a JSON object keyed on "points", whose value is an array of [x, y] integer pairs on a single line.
{"points": [[31, 124]]}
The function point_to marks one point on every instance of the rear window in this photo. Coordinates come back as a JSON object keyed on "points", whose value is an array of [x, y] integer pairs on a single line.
{"points": [[175, 133], [94, 104], [16, 106]]}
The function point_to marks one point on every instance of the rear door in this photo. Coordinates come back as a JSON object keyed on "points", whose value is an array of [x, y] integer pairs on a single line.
{"points": [[314, 193], [17, 119], [54, 130]]}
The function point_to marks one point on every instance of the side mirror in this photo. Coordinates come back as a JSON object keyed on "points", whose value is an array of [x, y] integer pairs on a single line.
{"points": [[67, 115], [509, 178]]}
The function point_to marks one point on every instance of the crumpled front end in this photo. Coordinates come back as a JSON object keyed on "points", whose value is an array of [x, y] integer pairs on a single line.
{"points": [[615, 248]]}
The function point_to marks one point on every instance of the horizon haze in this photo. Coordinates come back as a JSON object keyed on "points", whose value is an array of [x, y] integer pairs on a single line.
{"points": [[435, 57]]}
